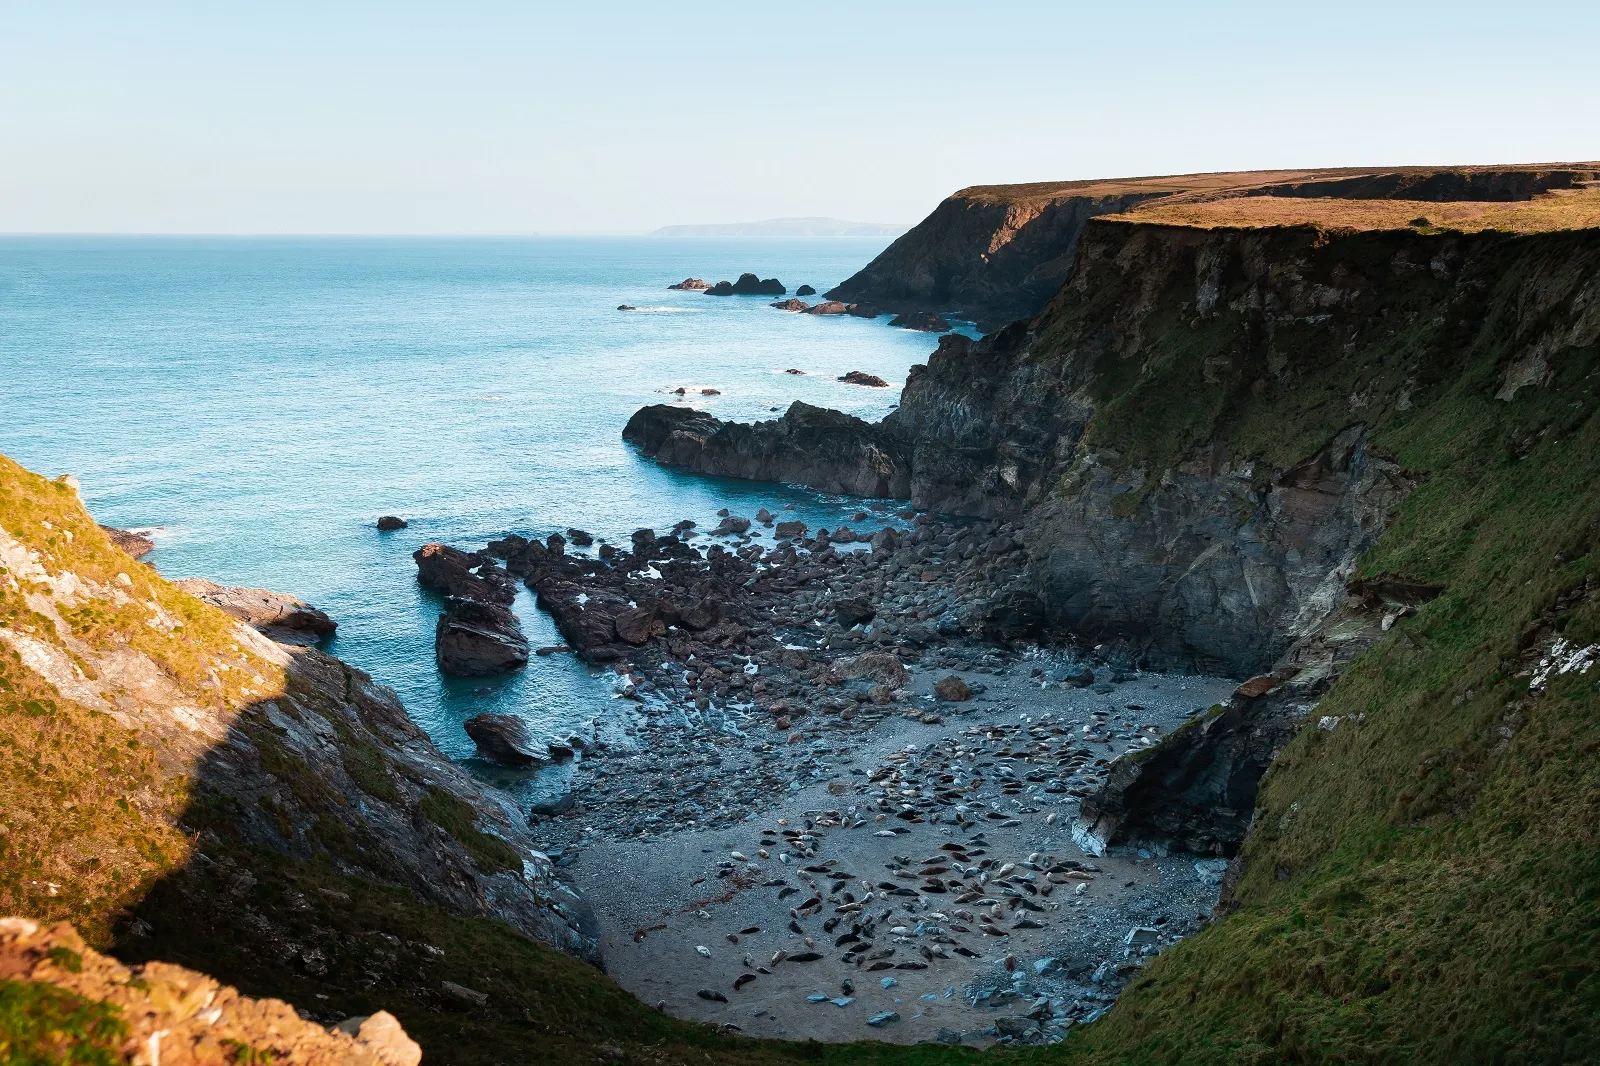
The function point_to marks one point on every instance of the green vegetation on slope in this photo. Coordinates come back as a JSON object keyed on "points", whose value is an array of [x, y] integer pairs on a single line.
{"points": [[1423, 882], [41, 1025]]}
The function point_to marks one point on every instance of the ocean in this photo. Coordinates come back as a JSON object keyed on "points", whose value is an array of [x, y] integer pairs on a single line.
{"points": [[259, 403]]}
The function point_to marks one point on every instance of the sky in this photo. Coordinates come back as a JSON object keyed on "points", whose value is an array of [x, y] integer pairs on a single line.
{"points": [[506, 118]]}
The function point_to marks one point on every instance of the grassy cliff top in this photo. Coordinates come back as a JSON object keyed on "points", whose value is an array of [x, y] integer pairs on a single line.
{"points": [[1494, 183], [1561, 209]]}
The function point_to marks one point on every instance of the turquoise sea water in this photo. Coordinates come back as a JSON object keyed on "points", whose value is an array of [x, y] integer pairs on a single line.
{"points": [[262, 401]]}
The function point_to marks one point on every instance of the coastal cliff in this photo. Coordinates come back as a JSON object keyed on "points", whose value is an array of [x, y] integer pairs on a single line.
{"points": [[1352, 450], [998, 253]]}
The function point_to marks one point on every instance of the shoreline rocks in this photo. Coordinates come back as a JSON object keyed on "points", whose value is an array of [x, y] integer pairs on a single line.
{"points": [[505, 739], [921, 321], [285, 618], [134, 544]]}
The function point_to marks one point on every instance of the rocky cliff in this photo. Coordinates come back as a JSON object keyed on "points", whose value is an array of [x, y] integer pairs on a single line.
{"points": [[1341, 446], [997, 253]]}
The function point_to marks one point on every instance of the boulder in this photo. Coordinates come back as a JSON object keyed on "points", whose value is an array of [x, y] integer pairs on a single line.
{"points": [[861, 377], [854, 610], [792, 304], [285, 618], [579, 538], [134, 544], [863, 311], [690, 285], [626, 307], [828, 307], [790, 530], [880, 667], [748, 285], [478, 637], [470, 575], [805, 290], [922, 321], [554, 806], [639, 625], [389, 523], [504, 738], [952, 689], [731, 524]]}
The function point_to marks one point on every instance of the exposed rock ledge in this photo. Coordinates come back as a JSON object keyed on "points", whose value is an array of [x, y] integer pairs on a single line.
{"points": [[177, 1016], [285, 618], [809, 446]]}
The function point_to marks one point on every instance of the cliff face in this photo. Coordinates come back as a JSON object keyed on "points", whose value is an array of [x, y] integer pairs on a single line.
{"points": [[214, 728], [998, 253], [981, 257], [1358, 455]]}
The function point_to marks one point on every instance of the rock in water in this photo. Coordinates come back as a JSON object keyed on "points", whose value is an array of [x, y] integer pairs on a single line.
{"points": [[470, 575], [792, 304], [861, 377], [952, 689], [505, 739], [829, 307], [475, 637], [805, 290], [922, 321], [134, 544], [863, 311], [389, 522], [748, 285], [285, 618], [690, 285]]}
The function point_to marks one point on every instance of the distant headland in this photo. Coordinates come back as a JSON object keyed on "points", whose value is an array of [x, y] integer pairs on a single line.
{"points": [[785, 227]]}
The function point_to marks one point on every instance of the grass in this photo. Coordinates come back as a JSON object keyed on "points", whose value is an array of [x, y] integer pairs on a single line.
{"points": [[1543, 214], [42, 1025]]}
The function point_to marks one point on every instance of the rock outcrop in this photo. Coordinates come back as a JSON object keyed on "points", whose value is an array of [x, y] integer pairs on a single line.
{"points": [[747, 285], [861, 377], [161, 1013], [474, 638], [136, 545], [691, 285], [921, 321], [809, 446], [505, 739], [285, 618], [470, 575]]}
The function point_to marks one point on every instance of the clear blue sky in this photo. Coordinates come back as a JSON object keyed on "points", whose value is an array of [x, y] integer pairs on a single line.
{"points": [[474, 117]]}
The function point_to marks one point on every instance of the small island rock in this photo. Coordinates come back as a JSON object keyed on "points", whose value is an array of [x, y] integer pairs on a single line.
{"points": [[690, 285], [805, 290], [748, 285], [389, 523], [922, 321], [861, 377]]}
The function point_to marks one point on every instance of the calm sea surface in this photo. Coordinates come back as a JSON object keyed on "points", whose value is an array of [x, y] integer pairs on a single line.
{"points": [[260, 402]]}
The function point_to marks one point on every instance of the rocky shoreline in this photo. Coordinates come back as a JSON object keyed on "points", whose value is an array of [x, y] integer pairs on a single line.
{"points": [[802, 713]]}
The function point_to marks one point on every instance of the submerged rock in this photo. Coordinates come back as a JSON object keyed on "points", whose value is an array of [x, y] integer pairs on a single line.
{"points": [[861, 377], [389, 522]]}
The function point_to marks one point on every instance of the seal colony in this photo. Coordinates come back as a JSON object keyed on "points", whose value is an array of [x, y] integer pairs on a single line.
{"points": [[831, 792]]}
